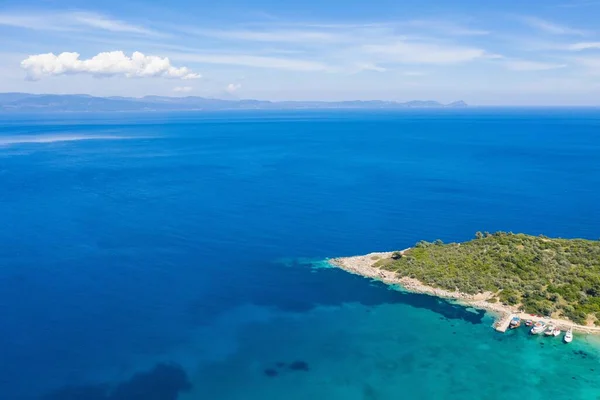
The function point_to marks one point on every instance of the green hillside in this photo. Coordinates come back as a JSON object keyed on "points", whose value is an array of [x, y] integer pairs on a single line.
{"points": [[559, 277]]}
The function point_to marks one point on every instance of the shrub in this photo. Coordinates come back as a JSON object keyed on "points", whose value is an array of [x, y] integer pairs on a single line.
{"points": [[545, 275]]}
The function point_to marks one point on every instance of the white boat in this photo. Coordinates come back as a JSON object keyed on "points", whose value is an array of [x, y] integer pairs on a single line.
{"points": [[538, 327], [515, 323], [569, 336], [549, 330], [556, 332]]}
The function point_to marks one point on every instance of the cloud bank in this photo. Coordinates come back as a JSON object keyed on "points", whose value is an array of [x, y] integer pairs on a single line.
{"points": [[114, 63], [72, 21], [523, 65], [584, 46], [425, 53], [183, 89], [233, 87], [552, 28]]}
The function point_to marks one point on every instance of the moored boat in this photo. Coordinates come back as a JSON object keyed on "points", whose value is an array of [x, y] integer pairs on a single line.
{"points": [[515, 322], [549, 330], [528, 322], [538, 327], [569, 336], [556, 332]]}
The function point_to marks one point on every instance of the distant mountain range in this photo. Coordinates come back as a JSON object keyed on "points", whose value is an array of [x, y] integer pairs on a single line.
{"points": [[24, 102]]}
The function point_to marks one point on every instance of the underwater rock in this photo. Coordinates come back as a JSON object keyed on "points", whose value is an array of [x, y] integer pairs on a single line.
{"points": [[299, 366], [163, 382]]}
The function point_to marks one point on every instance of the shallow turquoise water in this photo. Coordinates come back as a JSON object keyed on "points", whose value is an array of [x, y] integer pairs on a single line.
{"points": [[131, 240], [390, 351]]}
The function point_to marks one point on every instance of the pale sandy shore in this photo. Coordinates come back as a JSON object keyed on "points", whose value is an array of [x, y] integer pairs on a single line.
{"points": [[365, 266]]}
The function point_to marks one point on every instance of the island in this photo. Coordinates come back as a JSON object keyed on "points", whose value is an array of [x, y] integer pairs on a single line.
{"points": [[510, 274], [28, 102]]}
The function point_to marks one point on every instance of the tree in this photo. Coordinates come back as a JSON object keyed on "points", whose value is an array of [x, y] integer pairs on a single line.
{"points": [[544, 275]]}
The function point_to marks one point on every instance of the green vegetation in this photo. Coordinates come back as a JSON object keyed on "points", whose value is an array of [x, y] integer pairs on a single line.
{"points": [[559, 277]]}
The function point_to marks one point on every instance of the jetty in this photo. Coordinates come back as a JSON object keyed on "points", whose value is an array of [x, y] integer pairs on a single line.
{"points": [[503, 323]]}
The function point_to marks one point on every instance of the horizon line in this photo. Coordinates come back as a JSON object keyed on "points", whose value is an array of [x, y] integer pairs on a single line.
{"points": [[467, 105]]}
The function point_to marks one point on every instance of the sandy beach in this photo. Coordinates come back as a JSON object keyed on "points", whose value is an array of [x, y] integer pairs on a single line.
{"points": [[365, 266]]}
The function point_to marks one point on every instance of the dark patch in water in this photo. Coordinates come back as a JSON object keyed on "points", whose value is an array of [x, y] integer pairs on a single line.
{"points": [[407, 360], [330, 286], [78, 393], [369, 392], [280, 364], [163, 382], [581, 353], [299, 366], [270, 372]]}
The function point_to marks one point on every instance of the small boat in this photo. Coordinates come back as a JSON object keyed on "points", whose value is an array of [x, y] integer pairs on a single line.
{"points": [[528, 322], [515, 323], [569, 336], [549, 330], [556, 332], [538, 327]]}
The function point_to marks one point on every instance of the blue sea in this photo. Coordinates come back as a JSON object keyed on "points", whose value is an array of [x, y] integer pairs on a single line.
{"points": [[182, 255]]}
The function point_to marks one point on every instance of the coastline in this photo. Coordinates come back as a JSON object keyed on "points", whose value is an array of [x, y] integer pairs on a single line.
{"points": [[364, 265]]}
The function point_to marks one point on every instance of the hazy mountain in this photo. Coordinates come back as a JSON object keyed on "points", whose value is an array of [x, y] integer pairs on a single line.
{"points": [[458, 104], [24, 102]]}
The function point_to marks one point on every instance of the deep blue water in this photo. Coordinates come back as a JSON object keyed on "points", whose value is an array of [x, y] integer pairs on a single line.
{"points": [[194, 239]]}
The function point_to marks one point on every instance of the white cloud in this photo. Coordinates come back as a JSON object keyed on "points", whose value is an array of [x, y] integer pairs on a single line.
{"points": [[584, 46], [72, 21], [101, 22], [182, 89], [233, 87], [369, 67], [424, 53], [447, 27], [343, 35], [27, 21], [414, 73], [523, 65], [552, 28], [493, 56], [276, 36], [591, 63], [104, 64], [288, 64]]}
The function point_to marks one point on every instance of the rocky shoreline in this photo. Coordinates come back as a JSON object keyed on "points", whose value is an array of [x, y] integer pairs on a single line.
{"points": [[365, 266]]}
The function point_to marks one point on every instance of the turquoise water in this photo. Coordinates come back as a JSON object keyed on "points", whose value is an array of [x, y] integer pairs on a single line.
{"points": [[386, 351], [180, 256]]}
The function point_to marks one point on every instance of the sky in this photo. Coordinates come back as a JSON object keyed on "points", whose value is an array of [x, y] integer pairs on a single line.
{"points": [[483, 52]]}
